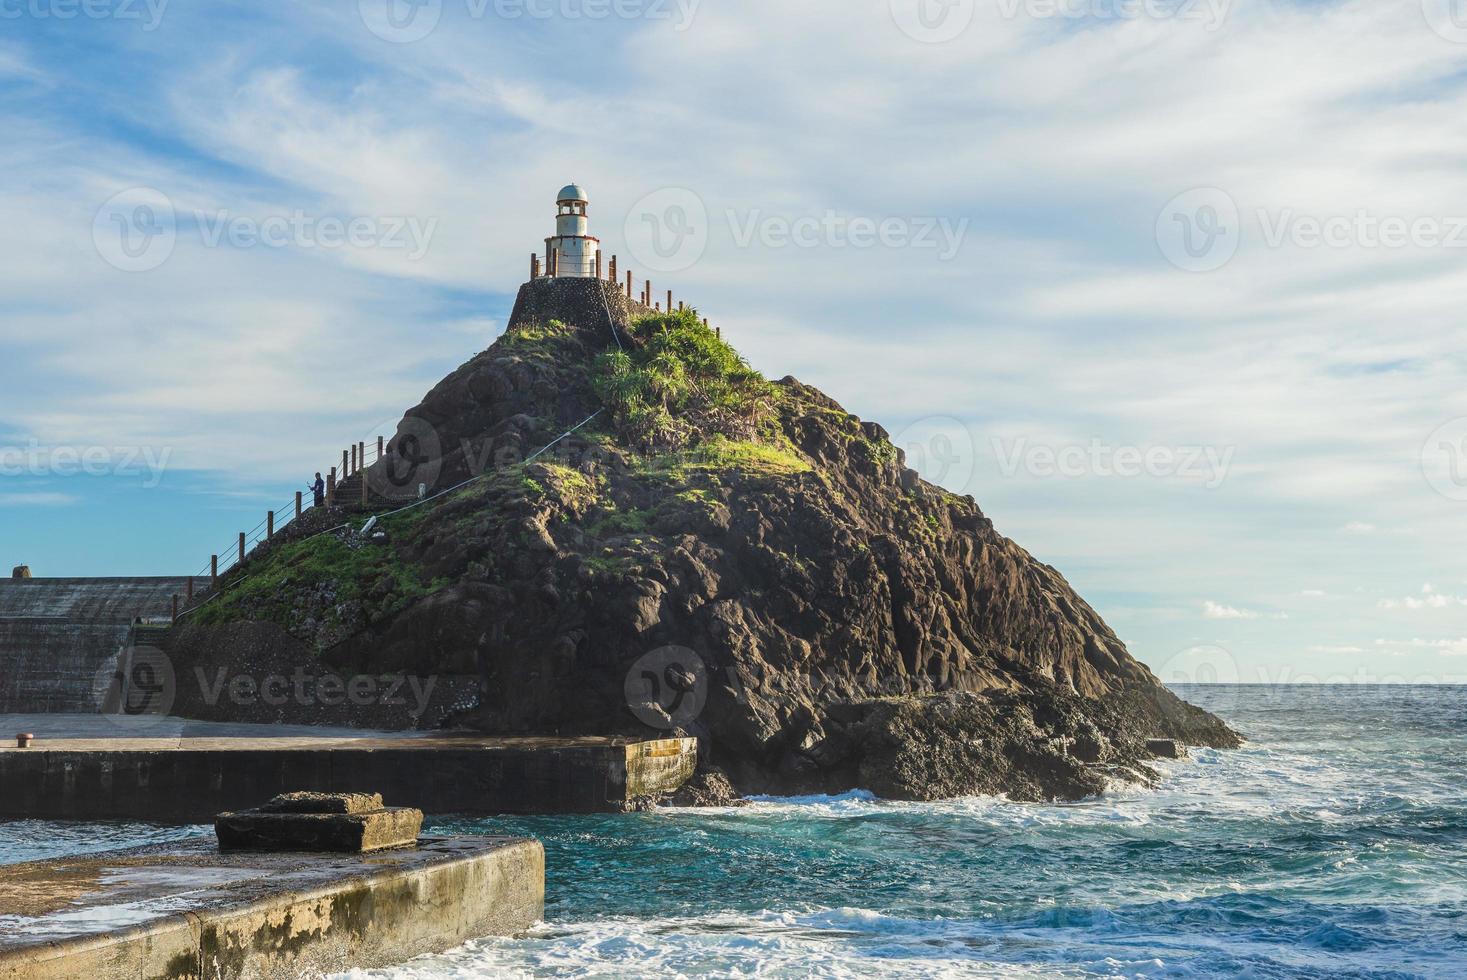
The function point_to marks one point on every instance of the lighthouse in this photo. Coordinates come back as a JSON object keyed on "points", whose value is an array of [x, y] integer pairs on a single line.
{"points": [[571, 253]]}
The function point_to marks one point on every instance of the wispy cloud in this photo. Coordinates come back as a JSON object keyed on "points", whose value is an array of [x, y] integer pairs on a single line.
{"points": [[39, 499]]}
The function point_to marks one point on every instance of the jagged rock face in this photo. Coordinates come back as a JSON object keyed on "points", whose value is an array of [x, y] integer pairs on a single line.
{"points": [[820, 617]]}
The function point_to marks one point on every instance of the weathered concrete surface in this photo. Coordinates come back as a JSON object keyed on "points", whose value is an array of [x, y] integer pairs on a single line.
{"points": [[188, 911], [58, 636], [189, 780], [354, 823]]}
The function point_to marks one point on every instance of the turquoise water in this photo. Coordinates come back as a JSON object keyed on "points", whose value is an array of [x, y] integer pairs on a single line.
{"points": [[1331, 846]]}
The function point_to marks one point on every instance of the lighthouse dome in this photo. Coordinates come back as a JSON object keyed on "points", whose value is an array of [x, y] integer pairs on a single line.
{"points": [[571, 193]]}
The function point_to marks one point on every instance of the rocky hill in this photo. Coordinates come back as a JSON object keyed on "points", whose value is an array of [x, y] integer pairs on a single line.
{"points": [[738, 558]]}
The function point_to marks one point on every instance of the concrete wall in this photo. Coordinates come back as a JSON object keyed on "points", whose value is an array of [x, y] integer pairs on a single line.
{"points": [[168, 782], [58, 636]]}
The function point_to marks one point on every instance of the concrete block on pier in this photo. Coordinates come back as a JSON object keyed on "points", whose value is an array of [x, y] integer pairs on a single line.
{"points": [[355, 823]]}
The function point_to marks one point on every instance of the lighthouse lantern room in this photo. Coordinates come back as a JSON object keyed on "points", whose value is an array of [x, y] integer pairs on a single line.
{"points": [[571, 253]]}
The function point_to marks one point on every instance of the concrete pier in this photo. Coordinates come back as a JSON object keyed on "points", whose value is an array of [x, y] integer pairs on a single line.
{"points": [[188, 911], [190, 779]]}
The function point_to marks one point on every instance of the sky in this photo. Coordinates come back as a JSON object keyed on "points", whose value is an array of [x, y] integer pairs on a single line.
{"points": [[1173, 289]]}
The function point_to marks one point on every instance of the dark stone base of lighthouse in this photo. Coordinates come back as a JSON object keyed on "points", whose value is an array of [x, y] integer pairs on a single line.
{"points": [[592, 304]]}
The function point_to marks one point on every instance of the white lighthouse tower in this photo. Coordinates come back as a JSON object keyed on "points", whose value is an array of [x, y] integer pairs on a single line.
{"points": [[571, 253]]}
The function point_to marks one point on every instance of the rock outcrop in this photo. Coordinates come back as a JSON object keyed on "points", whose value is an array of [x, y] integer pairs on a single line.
{"points": [[714, 553]]}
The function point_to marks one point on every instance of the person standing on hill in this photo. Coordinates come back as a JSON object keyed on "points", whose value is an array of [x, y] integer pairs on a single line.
{"points": [[318, 491]]}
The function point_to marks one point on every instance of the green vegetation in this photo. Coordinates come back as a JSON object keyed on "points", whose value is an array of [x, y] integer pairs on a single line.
{"points": [[680, 383], [370, 574]]}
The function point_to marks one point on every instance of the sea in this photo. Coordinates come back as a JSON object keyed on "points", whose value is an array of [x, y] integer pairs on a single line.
{"points": [[1333, 844]]}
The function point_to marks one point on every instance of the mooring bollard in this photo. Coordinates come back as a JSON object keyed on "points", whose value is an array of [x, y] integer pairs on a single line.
{"points": [[23, 740]]}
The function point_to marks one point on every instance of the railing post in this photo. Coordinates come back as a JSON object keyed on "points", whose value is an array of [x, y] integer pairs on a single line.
{"points": [[669, 301], [344, 471], [365, 501], [269, 525], [362, 455], [611, 272], [241, 547], [175, 607], [331, 487], [598, 264], [188, 589], [380, 440], [353, 468], [534, 266], [297, 505], [213, 571], [629, 284]]}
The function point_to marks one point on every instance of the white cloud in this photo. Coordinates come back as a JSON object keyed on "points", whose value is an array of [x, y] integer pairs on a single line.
{"points": [[1358, 527], [1214, 610], [1428, 599]]}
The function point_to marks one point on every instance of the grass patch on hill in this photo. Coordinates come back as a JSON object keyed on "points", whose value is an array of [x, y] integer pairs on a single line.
{"points": [[681, 383], [371, 574]]}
